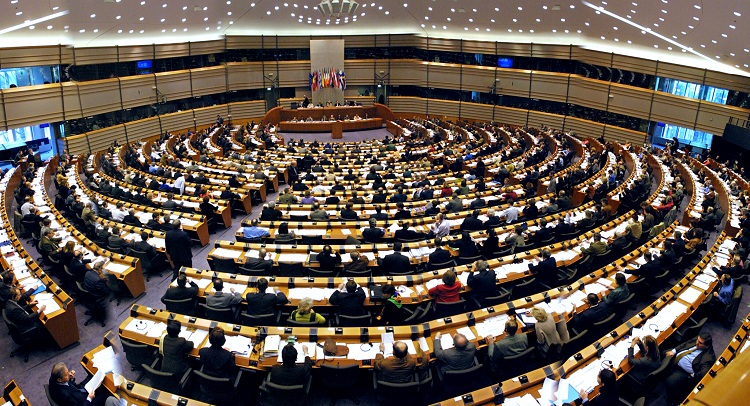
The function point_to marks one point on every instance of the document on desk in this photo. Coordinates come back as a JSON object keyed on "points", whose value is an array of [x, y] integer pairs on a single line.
{"points": [[292, 258], [116, 268], [690, 295], [525, 400], [156, 330], [446, 341], [95, 381], [300, 353], [432, 283], [106, 360], [594, 288], [239, 345], [548, 391], [226, 253], [362, 351], [466, 331]]}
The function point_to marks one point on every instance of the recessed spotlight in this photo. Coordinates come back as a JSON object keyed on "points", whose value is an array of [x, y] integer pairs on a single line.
{"points": [[738, 15], [49, 27], [615, 28], [118, 17], [656, 46], [184, 19], [697, 6], [268, 13], [184, 8], [82, 30], [586, 24], [31, 27], [164, 5], [724, 35], [732, 26], [538, 20], [229, 13], [164, 19], [119, 31], [93, 16], [520, 8], [141, 19], [18, 13], [515, 20], [562, 20], [572, 6], [143, 3]]}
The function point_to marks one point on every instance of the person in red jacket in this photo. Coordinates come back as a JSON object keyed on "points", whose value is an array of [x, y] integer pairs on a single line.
{"points": [[448, 292]]}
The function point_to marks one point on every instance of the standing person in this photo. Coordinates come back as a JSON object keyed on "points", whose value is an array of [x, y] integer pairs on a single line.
{"points": [[546, 331], [177, 244]]}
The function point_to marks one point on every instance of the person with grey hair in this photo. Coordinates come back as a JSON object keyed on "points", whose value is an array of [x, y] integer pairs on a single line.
{"points": [[131, 219], [317, 213], [64, 391], [458, 358], [373, 233], [305, 313], [177, 244], [482, 280], [270, 212]]}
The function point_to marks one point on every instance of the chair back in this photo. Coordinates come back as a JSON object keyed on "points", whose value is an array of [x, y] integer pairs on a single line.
{"points": [[462, 381], [19, 337], [49, 397], [163, 381], [336, 377], [282, 394], [312, 239], [363, 320], [401, 393], [468, 260], [225, 315], [143, 256], [245, 270], [573, 345], [291, 269], [516, 364], [224, 265], [318, 273], [357, 274], [182, 306], [270, 319], [449, 309], [301, 323], [213, 389], [656, 375], [138, 354], [432, 267]]}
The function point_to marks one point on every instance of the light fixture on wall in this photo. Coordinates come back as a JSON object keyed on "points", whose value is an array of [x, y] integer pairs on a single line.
{"points": [[338, 8]]}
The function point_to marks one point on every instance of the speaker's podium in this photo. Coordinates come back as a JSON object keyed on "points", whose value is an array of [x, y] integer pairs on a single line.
{"points": [[337, 130]]}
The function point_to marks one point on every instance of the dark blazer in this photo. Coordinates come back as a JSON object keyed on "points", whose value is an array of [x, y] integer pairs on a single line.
{"points": [[648, 270], [178, 293], [679, 247], [176, 355], [177, 244], [439, 256], [395, 262], [454, 359], [546, 271], [465, 248], [585, 319], [68, 395], [258, 264], [350, 304], [21, 316], [290, 375], [264, 303], [702, 363], [78, 268], [542, 234], [641, 366], [218, 362], [483, 284], [472, 224], [373, 235]]}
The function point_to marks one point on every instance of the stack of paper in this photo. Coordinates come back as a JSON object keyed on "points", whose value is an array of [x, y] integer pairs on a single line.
{"points": [[239, 345], [271, 345]]}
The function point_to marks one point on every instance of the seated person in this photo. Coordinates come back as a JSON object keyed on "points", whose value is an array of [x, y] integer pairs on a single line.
{"points": [[349, 298], [648, 362], [329, 259], [175, 350], [472, 223], [466, 246], [440, 255], [220, 300], [262, 302], [21, 315], [596, 312], [373, 233], [400, 367], [270, 212], [283, 234], [482, 280], [546, 269], [694, 360], [407, 232], [255, 232], [458, 358], [620, 292], [448, 291], [217, 361], [596, 247], [182, 291], [511, 344], [65, 392], [395, 262], [305, 313], [359, 263], [348, 213], [392, 312], [289, 373], [722, 297]]}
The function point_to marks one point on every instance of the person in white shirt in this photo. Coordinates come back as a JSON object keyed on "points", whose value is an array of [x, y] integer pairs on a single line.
{"points": [[179, 183], [27, 206], [118, 213], [441, 228], [510, 214], [319, 187]]}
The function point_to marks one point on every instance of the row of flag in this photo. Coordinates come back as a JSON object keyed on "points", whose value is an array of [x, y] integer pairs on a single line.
{"points": [[327, 77]]}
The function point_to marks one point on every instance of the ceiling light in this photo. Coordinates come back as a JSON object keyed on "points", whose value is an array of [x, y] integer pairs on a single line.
{"points": [[338, 8], [34, 22], [49, 27], [118, 17], [738, 15], [184, 8]]}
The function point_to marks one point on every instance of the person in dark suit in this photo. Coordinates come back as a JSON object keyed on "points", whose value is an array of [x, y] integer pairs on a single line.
{"points": [[440, 255], [292, 173], [458, 358], [209, 210], [472, 223], [395, 262], [483, 283], [668, 256], [289, 373], [182, 291], [546, 269], [693, 360], [261, 263], [154, 222], [131, 219], [78, 266], [490, 246], [679, 244], [144, 246], [6, 290], [650, 269], [262, 302], [596, 312], [466, 246], [329, 260], [379, 215], [406, 233], [349, 298], [373, 233], [220, 300], [115, 241], [22, 315], [175, 350], [648, 362], [270, 212], [65, 392], [177, 244], [348, 212], [217, 361]]}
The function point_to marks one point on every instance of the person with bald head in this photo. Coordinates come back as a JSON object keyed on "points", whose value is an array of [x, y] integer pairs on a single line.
{"points": [[400, 367], [458, 358]]}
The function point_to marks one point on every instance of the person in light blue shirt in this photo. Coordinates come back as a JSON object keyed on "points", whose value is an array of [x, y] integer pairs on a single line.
{"points": [[254, 231], [726, 291], [694, 360]]}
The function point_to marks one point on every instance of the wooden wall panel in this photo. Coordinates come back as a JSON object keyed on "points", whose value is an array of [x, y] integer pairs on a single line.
{"points": [[174, 85], [99, 96], [478, 47], [71, 101], [476, 111], [509, 115], [591, 57], [630, 101], [245, 76], [360, 71], [630, 63], [294, 73], [102, 139], [440, 44], [243, 42], [549, 86], [445, 76], [30, 105], [511, 49], [588, 92], [513, 82], [726, 81], [674, 109], [623, 135], [712, 117], [94, 55], [207, 115], [400, 104], [408, 72], [208, 80], [77, 144], [442, 108], [145, 128], [136, 53], [551, 51], [178, 121], [478, 78], [162, 51], [538, 119], [246, 111], [207, 47], [686, 73], [584, 128], [20, 57], [137, 90]]}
